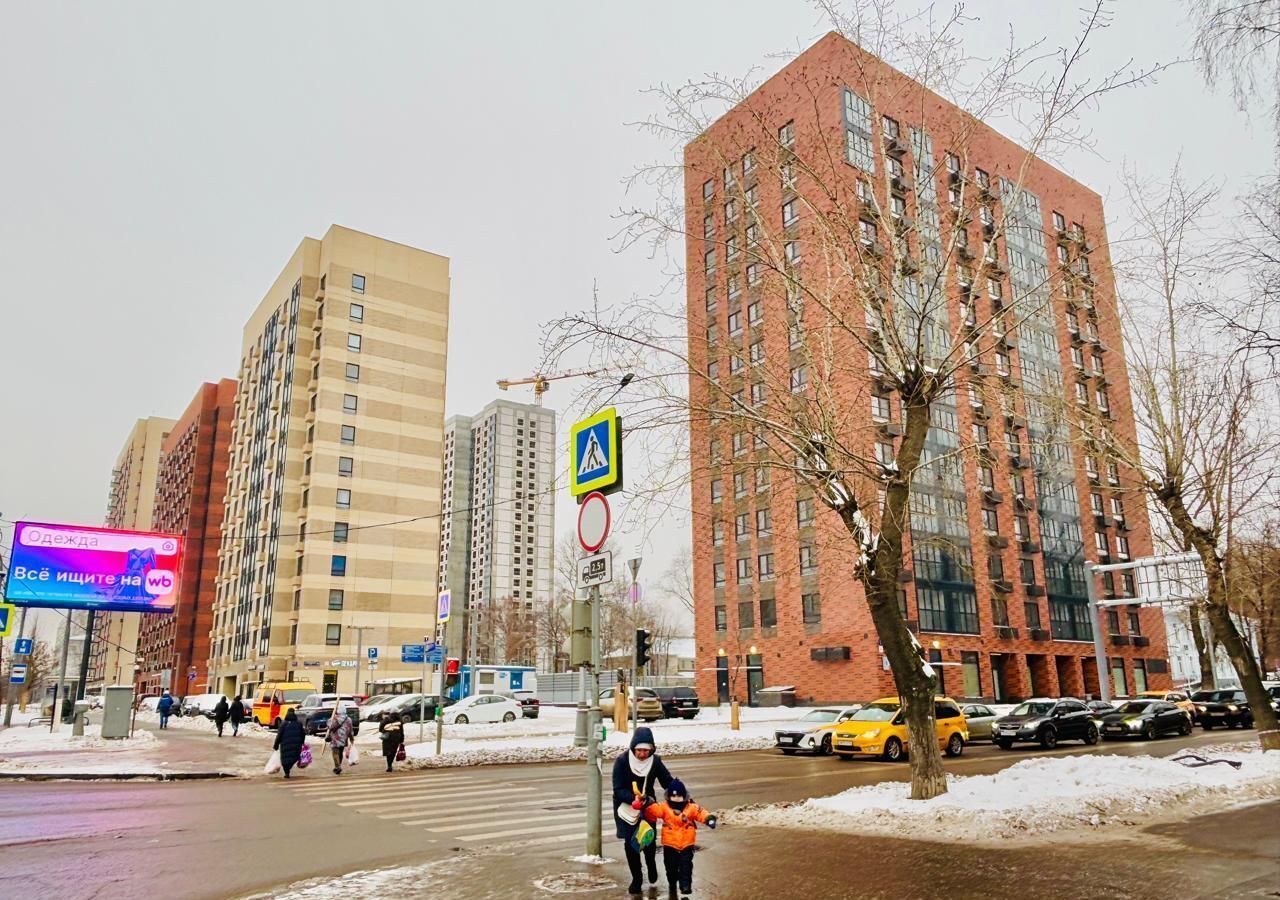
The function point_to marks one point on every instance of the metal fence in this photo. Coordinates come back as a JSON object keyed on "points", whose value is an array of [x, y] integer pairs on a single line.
{"points": [[562, 687]]}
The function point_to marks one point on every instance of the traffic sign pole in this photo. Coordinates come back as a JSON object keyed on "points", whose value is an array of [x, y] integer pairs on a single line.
{"points": [[594, 845], [8, 707]]}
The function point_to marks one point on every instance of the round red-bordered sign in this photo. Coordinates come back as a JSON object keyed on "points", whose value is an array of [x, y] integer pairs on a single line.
{"points": [[594, 519]]}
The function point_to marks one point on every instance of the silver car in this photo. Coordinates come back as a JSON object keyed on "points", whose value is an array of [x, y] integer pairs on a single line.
{"points": [[979, 719]]}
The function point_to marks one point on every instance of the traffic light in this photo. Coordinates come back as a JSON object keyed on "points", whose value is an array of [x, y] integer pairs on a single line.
{"points": [[642, 648]]}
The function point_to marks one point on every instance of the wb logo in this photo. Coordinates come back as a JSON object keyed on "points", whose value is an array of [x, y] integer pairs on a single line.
{"points": [[159, 582]]}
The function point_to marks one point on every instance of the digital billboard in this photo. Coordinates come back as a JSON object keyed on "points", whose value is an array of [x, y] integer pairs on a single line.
{"points": [[78, 567]]}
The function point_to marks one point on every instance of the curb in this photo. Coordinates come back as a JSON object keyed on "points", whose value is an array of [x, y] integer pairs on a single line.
{"points": [[117, 776]]}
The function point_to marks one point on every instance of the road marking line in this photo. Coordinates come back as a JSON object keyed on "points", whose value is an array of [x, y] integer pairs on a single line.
{"points": [[522, 845], [471, 823], [451, 810], [384, 784], [510, 832], [450, 796]]}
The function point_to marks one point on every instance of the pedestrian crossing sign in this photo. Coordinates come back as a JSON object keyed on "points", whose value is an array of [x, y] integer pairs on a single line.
{"points": [[595, 454], [7, 611]]}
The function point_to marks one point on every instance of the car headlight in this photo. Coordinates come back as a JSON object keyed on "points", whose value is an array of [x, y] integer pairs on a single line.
{"points": [[1030, 725], [1231, 707], [873, 733], [1199, 707], [1134, 724]]}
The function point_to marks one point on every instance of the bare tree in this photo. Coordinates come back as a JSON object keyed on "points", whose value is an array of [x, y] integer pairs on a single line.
{"points": [[1238, 41], [866, 284], [514, 635], [1206, 451], [677, 580]]}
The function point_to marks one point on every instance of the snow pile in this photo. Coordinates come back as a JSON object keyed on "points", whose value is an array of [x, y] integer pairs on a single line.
{"points": [[1036, 797], [393, 881], [422, 756], [38, 738]]}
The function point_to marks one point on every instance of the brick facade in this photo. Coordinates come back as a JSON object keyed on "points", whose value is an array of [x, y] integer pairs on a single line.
{"points": [[189, 501], [836, 656]]}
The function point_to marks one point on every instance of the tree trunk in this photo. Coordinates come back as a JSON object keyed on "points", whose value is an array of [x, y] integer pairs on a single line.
{"points": [[915, 686], [1208, 679]]}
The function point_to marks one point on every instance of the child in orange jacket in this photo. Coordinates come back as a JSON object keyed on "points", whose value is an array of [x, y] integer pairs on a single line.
{"points": [[679, 817]]}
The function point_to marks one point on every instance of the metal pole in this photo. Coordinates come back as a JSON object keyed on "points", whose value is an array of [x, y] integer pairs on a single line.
{"points": [[1099, 646], [580, 724], [359, 653], [82, 683], [8, 707], [634, 565], [594, 845], [422, 702], [62, 670]]}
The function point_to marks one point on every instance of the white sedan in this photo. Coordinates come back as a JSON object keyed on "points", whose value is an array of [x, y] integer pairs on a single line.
{"points": [[482, 708]]}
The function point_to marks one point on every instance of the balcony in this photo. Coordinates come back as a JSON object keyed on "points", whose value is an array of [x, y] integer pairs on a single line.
{"points": [[1141, 641], [1039, 634], [900, 185], [1034, 590], [1018, 462], [992, 496], [895, 147], [1006, 633], [1002, 585], [1025, 546], [891, 429]]}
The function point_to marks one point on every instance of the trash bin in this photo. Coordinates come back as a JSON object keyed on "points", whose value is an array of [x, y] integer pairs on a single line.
{"points": [[80, 716], [778, 695]]}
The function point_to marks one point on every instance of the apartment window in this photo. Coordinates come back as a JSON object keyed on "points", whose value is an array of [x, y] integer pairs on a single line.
{"points": [[808, 560], [735, 323], [709, 263], [787, 135], [735, 364], [768, 613], [1095, 504], [1103, 401], [739, 443], [756, 353], [730, 212], [1073, 322], [1031, 611], [713, 371], [708, 189], [981, 435], [811, 608], [947, 611], [884, 453], [717, 490], [1128, 584], [857, 120], [764, 522], [1122, 546], [353, 372], [739, 485], [881, 408], [1100, 542], [338, 566], [868, 232], [333, 635], [791, 253], [889, 127], [1059, 221], [1135, 623], [804, 512], [722, 619], [717, 574], [999, 612], [349, 403], [995, 567], [356, 312], [897, 206], [799, 378], [717, 533], [744, 568], [762, 480], [1097, 365], [1091, 467], [790, 214], [293, 634], [1027, 570], [742, 525], [1113, 473], [731, 248], [344, 498], [1063, 259], [708, 227], [357, 283], [987, 478], [764, 565], [746, 614], [346, 465], [353, 343], [753, 273], [757, 394], [953, 163], [348, 434], [1022, 528], [755, 313], [1117, 509], [1002, 364], [340, 530], [1077, 357], [990, 521]]}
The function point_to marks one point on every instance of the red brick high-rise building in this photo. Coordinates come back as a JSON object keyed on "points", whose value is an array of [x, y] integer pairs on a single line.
{"points": [[191, 485], [994, 578]]}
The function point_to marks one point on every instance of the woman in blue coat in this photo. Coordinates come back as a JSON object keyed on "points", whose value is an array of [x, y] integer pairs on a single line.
{"points": [[289, 740], [634, 775]]}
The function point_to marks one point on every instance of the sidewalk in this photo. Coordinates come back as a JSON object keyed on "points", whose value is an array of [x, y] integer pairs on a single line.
{"points": [[172, 754]]}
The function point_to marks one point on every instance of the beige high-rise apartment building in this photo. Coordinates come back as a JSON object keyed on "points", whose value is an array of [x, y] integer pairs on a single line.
{"points": [[129, 506], [331, 531]]}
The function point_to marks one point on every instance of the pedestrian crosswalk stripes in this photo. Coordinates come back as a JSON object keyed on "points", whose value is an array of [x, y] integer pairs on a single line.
{"points": [[434, 795], [418, 811], [337, 786]]}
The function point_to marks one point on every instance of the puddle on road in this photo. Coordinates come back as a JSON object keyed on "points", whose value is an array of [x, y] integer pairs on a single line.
{"points": [[574, 883]]}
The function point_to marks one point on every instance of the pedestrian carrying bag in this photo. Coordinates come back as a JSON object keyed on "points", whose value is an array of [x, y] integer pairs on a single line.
{"points": [[643, 836], [305, 758], [273, 764], [400, 754], [353, 755]]}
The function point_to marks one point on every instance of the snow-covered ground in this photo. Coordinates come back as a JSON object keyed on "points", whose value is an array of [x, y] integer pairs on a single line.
{"points": [[1038, 797], [38, 738]]}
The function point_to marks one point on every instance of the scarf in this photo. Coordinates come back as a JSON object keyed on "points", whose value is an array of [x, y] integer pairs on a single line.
{"points": [[640, 767]]}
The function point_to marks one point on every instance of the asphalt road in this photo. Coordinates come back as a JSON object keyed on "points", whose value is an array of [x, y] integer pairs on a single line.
{"points": [[232, 838]]}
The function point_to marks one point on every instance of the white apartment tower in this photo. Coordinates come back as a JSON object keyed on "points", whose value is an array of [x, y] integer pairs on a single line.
{"points": [[498, 531]]}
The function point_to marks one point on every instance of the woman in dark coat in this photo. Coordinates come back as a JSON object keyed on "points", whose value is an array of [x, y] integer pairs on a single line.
{"points": [[220, 714], [635, 774], [392, 736], [237, 715], [289, 740]]}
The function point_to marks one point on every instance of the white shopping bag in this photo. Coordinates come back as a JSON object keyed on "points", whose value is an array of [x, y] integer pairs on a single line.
{"points": [[353, 755], [273, 764]]}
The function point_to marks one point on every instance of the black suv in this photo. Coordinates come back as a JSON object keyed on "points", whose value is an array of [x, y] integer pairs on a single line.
{"points": [[1229, 708], [1046, 721], [678, 702]]}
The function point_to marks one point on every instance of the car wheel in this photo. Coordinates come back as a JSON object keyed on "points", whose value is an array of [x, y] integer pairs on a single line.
{"points": [[1048, 738], [893, 750], [405, 718], [825, 748], [955, 745], [1185, 728], [788, 751], [508, 716], [1005, 745], [1149, 731], [1091, 736], [1207, 725], [460, 719]]}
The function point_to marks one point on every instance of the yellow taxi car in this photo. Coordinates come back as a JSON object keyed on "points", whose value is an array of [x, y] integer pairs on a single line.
{"points": [[1177, 698], [879, 729]]}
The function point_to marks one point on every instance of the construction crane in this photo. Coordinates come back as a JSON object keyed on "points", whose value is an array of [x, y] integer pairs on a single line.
{"points": [[542, 383]]}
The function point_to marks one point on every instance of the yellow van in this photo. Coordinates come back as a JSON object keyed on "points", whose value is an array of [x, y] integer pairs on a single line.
{"points": [[275, 698]]}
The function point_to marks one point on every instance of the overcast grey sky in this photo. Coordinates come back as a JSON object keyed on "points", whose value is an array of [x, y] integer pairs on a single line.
{"points": [[161, 161]]}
